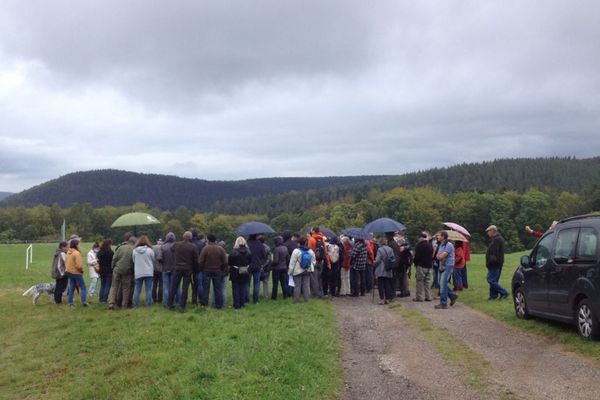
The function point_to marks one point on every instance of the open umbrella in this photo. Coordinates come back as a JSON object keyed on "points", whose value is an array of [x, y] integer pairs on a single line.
{"points": [[253, 228], [458, 228], [384, 225], [135, 219], [326, 231], [454, 235], [357, 233]]}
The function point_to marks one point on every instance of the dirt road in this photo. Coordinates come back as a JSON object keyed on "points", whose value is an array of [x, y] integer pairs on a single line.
{"points": [[385, 357]]}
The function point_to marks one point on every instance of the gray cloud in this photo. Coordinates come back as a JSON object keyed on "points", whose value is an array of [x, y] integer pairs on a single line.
{"points": [[232, 89]]}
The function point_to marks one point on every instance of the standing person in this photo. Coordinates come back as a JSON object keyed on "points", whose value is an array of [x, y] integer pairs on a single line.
{"points": [[423, 263], [166, 257], [435, 265], [197, 275], [391, 240], [281, 260], [105, 256], [157, 281], [74, 270], [93, 268], [369, 271], [186, 261], [122, 281], [58, 271], [445, 255], [384, 265], [239, 261], [213, 264], [143, 267], [290, 241], [359, 265], [266, 267], [335, 255], [317, 243], [404, 264], [494, 260], [459, 266], [259, 257], [224, 280], [302, 264], [345, 267]]}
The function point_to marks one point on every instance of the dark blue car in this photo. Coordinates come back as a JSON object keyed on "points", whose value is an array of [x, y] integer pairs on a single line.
{"points": [[560, 279]]}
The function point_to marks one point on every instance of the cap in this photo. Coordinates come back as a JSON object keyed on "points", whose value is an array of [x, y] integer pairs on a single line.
{"points": [[75, 237], [491, 227]]}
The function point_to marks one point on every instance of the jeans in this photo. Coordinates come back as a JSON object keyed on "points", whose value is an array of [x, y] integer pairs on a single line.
{"points": [[197, 286], [61, 285], [73, 280], [147, 282], [280, 277], [238, 290], [105, 284], [255, 276], [302, 285], [93, 284], [223, 291], [457, 278], [423, 284], [216, 279], [167, 278], [331, 280], [369, 278], [493, 277], [178, 276], [465, 280], [357, 282], [445, 291], [264, 278], [435, 284]]}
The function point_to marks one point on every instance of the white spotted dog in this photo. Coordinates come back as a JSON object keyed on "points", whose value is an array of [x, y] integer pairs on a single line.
{"points": [[37, 290]]}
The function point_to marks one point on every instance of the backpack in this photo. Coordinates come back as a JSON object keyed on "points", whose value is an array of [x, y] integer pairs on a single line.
{"points": [[320, 251], [389, 261], [305, 259], [334, 252]]}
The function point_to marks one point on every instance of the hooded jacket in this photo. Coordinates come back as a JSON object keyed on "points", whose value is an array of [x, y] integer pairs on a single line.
{"points": [[73, 262], [166, 257], [122, 261], [143, 262]]}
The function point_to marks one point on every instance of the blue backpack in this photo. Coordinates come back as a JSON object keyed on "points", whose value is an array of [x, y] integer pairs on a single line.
{"points": [[305, 259]]}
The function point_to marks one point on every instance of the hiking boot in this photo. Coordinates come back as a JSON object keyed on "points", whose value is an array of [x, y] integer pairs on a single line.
{"points": [[86, 304], [453, 299], [440, 306], [417, 300], [503, 296]]}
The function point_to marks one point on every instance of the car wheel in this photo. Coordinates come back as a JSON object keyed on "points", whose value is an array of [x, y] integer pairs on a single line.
{"points": [[587, 323], [520, 304]]}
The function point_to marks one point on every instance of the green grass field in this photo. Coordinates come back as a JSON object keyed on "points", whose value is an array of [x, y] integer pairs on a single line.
{"points": [[477, 294], [275, 350]]}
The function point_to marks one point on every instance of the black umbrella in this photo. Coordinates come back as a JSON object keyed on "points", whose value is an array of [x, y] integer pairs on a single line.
{"points": [[326, 231], [253, 228], [384, 225], [357, 233]]}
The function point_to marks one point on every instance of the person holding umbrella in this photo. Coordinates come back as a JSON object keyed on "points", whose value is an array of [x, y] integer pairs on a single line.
{"points": [[445, 255]]}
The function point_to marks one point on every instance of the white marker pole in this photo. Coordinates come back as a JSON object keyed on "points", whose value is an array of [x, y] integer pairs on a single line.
{"points": [[28, 256]]}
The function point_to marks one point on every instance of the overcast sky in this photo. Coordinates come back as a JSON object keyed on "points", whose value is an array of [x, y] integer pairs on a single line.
{"points": [[244, 89]]}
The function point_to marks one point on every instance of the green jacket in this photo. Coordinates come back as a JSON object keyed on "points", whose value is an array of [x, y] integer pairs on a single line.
{"points": [[122, 261]]}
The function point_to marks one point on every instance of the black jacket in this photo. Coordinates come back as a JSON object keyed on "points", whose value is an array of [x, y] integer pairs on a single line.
{"points": [[494, 256], [424, 254], [239, 258]]}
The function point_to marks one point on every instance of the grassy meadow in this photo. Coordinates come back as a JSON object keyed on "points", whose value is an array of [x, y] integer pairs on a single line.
{"points": [[275, 350], [477, 294]]}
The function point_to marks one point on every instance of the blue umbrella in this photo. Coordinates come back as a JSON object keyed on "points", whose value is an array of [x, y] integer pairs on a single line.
{"points": [[384, 225], [253, 228], [357, 233]]}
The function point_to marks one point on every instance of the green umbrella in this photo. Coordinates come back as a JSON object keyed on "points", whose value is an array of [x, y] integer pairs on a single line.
{"points": [[135, 219]]}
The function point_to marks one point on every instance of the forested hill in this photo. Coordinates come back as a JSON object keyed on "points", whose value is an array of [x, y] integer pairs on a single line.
{"points": [[119, 188], [269, 195], [555, 174]]}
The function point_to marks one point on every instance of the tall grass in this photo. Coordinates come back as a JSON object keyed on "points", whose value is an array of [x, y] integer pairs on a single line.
{"points": [[275, 350]]}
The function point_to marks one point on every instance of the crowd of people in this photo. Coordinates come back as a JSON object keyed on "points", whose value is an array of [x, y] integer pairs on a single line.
{"points": [[296, 265]]}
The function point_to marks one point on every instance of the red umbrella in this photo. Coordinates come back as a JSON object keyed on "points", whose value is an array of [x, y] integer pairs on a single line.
{"points": [[457, 228]]}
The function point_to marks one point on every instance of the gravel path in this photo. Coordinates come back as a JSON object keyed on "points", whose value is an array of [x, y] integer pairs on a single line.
{"points": [[386, 358]]}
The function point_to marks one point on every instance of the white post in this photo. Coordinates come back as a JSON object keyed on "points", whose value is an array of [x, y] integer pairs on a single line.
{"points": [[28, 256]]}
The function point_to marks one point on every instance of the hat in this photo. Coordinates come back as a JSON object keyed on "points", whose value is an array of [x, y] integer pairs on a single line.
{"points": [[74, 237], [491, 227]]}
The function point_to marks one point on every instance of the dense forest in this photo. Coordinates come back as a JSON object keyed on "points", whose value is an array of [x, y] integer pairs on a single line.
{"points": [[424, 208], [272, 196]]}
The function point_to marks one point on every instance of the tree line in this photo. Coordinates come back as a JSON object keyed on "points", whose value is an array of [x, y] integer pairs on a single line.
{"points": [[422, 208]]}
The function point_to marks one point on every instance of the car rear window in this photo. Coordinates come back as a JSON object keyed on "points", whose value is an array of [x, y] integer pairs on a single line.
{"points": [[587, 246]]}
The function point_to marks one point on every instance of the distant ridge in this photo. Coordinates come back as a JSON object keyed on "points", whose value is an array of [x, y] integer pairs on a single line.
{"points": [[3, 195], [268, 195]]}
